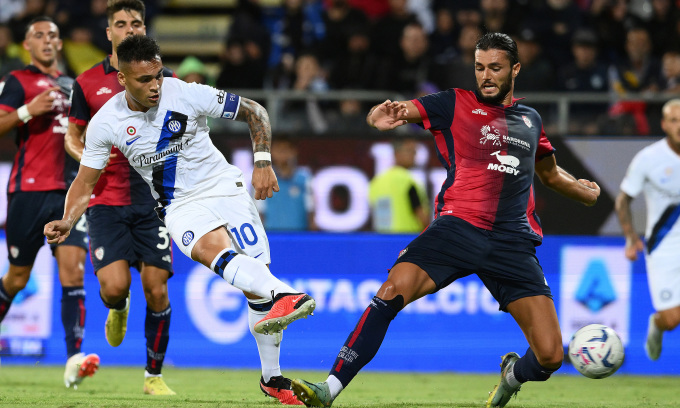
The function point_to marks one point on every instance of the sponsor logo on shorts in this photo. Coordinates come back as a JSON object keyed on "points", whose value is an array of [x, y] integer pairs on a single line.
{"points": [[187, 238], [403, 251], [14, 251], [167, 258], [99, 253]]}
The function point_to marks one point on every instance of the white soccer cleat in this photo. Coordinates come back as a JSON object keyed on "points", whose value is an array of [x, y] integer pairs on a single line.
{"points": [[79, 366], [654, 339]]}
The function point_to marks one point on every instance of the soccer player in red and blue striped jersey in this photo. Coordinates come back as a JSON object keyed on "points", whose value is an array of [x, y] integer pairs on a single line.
{"points": [[491, 147]]}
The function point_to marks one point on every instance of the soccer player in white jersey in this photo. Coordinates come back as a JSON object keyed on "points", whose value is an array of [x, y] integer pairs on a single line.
{"points": [[159, 124], [655, 171]]}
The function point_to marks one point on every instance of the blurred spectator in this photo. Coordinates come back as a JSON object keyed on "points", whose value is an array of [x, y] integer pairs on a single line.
{"points": [[611, 20], [398, 203], [423, 12], [554, 23], [374, 9], [8, 61], [193, 70], [342, 21], [355, 67], [389, 28], [248, 27], [460, 72], [79, 52], [306, 114], [638, 72], [443, 38], [661, 24], [10, 8], [292, 208], [97, 22], [499, 17], [411, 68], [670, 72], [31, 10], [238, 69], [295, 26], [71, 12], [537, 71], [585, 74], [348, 118]]}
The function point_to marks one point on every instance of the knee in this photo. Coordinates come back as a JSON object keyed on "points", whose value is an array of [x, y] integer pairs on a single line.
{"points": [[551, 358], [113, 292], [156, 297], [16, 279], [668, 319]]}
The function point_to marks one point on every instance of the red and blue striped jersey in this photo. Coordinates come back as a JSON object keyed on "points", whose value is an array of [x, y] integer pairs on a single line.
{"points": [[41, 163], [489, 152], [119, 184]]}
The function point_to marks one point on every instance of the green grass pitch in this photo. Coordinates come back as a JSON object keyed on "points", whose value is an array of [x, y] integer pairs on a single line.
{"points": [[38, 386]]}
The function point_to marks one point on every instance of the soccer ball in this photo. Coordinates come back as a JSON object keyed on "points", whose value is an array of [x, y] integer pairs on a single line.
{"points": [[596, 351]]}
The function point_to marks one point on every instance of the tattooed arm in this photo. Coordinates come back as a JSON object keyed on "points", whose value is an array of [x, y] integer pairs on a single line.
{"points": [[264, 180]]}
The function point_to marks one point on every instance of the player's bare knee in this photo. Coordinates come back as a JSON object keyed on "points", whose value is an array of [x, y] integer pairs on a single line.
{"points": [[16, 278], [113, 293], [156, 297]]}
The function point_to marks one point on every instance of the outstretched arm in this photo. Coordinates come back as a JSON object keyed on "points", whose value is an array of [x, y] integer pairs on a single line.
{"points": [[556, 178], [633, 242], [389, 115], [264, 180], [77, 198]]}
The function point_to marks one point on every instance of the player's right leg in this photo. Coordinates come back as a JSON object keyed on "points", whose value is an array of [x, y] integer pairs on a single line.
{"points": [[405, 283], [663, 277], [659, 322], [114, 291]]}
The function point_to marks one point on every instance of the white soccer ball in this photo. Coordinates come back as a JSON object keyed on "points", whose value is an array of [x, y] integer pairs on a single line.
{"points": [[596, 351]]}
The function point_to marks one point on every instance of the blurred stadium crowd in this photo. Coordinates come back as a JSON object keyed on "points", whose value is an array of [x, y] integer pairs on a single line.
{"points": [[619, 48]]}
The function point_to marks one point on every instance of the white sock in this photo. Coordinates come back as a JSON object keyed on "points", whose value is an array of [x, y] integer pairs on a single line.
{"points": [[334, 385], [251, 275], [147, 374], [510, 378], [267, 345], [653, 329]]}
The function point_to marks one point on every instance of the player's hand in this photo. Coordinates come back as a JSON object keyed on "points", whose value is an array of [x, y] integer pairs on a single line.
{"points": [[42, 103], [594, 191], [633, 246], [264, 182], [389, 115], [57, 231]]}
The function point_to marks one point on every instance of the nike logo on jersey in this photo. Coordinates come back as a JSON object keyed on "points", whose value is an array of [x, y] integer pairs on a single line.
{"points": [[131, 141]]}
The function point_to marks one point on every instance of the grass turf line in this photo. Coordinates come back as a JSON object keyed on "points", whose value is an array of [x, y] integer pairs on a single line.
{"points": [[42, 386]]}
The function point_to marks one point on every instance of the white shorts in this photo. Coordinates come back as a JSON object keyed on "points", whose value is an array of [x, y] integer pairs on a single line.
{"points": [[663, 276], [188, 222]]}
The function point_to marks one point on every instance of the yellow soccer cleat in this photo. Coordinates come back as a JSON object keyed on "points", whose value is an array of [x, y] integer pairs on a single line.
{"points": [[156, 386], [116, 324]]}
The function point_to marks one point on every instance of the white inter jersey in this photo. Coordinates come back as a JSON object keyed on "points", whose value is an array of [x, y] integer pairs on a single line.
{"points": [[169, 145], [655, 170]]}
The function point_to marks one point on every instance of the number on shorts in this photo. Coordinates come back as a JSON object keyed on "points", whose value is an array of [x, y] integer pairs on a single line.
{"points": [[163, 233], [81, 225], [247, 230]]}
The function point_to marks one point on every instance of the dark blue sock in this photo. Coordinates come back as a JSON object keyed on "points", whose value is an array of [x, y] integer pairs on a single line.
{"points": [[157, 333], [528, 368], [363, 343], [73, 317]]}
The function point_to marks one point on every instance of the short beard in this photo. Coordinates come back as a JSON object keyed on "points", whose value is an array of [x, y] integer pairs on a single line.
{"points": [[503, 91]]}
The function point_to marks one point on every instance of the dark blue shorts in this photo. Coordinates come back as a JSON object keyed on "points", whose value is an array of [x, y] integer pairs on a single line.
{"points": [[451, 248], [132, 233], [27, 214]]}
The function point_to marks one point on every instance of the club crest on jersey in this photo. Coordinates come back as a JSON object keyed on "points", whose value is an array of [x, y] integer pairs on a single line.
{"points": [[187, 238], [174, 126], [131, 130], [508, 163], [527, 121]]}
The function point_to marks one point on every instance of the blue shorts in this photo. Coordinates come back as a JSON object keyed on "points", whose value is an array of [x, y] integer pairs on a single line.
{"points": [[132, 233], [451, 248], [27, 214]]}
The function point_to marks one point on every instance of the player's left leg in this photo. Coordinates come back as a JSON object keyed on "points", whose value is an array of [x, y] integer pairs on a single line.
{"points": [[537, 318], [659, 322], [71, 262], [156, 327]]}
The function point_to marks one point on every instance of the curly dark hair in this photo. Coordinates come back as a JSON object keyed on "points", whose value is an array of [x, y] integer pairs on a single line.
{"points": [[499, 41], [138, 48]]}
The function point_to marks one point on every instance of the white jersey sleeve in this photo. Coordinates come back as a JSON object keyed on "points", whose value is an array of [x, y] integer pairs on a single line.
{"points": [[97, 144], [634, 181], [212, 102]]}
